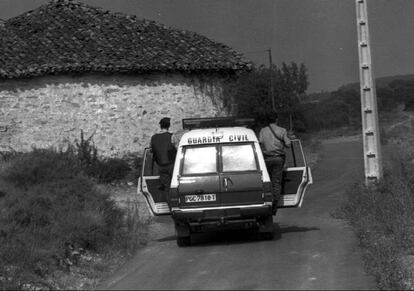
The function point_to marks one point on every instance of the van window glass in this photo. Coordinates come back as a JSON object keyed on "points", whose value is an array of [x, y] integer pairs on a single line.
{"points": [[238, 158], [294, 157], [199, 160], [150, 167]]}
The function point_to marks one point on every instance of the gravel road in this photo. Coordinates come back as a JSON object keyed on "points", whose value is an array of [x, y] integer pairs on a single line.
{"points": [[311, 250]]}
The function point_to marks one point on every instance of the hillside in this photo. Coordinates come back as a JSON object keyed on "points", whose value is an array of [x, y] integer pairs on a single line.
{"points": [[380, 82]]}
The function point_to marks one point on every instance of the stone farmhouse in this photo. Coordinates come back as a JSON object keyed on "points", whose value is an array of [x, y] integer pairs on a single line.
{"points": [[67, 67]]}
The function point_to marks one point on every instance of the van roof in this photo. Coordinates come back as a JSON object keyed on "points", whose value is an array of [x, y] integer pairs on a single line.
{"points": [[213, 122], [218, 135]]}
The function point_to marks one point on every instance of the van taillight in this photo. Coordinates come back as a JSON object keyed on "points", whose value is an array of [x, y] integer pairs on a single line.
{"points": [[173, 193], [267, 190]]}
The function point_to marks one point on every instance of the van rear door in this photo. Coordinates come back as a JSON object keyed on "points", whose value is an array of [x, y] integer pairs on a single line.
{"points": [[198, 182], [240, 175], [296, 177]]}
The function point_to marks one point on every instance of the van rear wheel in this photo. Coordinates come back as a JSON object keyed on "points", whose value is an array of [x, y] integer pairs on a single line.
{"points": [[267, 235], [267, 230], [184, 241], [183, 233]]}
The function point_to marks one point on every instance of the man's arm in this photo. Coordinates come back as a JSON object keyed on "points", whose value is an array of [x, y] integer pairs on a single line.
{"points": [[286, 139], [261, 141], [261, 136], [175, 140]]}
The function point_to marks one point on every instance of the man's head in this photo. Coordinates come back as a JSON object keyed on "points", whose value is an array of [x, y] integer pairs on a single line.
{"points": [[273, 117], [165, 123]]}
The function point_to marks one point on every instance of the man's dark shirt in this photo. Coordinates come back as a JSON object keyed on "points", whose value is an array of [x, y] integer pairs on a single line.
{"points": [[163, 149]]}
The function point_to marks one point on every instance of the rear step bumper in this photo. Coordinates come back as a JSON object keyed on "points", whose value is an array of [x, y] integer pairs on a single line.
{"points": [[221, 215], [224, 225]]}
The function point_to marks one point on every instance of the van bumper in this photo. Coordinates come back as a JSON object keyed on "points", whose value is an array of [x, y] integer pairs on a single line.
{"points": [[220, 216]]}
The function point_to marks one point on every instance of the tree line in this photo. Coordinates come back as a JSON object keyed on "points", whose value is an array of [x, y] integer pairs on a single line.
{"points": [[251, 93]]}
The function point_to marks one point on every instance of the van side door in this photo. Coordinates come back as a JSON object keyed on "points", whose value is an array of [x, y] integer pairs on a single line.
{"points": [[149, 185], [296, 177]]}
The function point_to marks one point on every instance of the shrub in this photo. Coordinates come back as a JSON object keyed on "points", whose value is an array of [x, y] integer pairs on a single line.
{"points": [[86, 151], [383, 217], [104, 170], [409, 104], [47, 203], [109, 170], [40, 166], [6, 156]]}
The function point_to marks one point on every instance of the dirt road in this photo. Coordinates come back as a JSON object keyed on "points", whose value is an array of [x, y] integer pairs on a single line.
{"points": [[311, 249]]}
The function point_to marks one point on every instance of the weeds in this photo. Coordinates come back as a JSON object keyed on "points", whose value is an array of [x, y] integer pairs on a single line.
{"points": [[109, 170], [135, 228], [103, 170], [50, 207], [383, 217]]}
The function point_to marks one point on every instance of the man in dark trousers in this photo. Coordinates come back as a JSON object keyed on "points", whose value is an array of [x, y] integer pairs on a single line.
{"points": [[164, 152], [274, 139]]}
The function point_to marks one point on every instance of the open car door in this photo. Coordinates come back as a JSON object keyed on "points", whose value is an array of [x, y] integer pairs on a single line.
{"points": [[296, 177], [149, 185]]}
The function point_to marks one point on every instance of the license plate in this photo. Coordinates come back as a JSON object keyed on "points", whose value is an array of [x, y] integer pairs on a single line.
{"points": [[200, 198]]}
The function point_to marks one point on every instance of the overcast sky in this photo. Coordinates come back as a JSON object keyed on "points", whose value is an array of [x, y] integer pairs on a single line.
{"points": [[319, 33]]}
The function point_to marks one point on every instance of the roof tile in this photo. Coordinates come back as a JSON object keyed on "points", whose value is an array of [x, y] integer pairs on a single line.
{"points": [[67, 36]]}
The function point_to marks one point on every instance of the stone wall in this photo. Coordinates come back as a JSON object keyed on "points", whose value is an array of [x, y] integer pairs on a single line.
{"points": [[121, 111]]}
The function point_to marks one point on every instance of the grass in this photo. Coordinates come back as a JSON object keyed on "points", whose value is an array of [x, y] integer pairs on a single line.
{"points": [[311, 147], [324, 134], [52, 215], [383, 215]]}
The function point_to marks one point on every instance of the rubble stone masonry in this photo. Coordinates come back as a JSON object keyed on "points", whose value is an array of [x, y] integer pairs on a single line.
{"points": [[121, 111]]}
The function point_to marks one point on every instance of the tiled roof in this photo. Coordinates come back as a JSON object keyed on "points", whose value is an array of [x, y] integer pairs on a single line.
{"points": [[66, 36]]}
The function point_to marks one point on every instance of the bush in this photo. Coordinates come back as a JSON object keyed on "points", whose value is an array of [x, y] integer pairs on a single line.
{"points": [[104, 170], [109, 170], [383, 217], [47, 203], [250, 92], [341, 109], [40, 166]]}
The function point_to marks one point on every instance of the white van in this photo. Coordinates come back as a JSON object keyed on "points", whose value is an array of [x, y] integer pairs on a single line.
{"points": [[220, 179]]}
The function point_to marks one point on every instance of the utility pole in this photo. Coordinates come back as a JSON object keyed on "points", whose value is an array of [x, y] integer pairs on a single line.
{"points": [[272, 93], [369, 111]]}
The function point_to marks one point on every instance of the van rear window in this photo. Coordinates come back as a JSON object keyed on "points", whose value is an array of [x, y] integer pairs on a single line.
{"points": [[238, 158], [199, 160]]}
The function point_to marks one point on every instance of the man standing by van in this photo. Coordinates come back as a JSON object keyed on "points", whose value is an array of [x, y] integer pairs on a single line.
{"points": [[164, 152], [274, 139]]}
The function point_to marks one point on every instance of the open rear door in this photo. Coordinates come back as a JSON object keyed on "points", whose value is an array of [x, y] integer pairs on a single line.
{"points": [[296, 177], [149, 184]]}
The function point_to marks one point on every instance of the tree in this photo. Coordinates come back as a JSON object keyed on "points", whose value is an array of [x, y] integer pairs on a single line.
{"points": [[250, 92], [403, 92]]}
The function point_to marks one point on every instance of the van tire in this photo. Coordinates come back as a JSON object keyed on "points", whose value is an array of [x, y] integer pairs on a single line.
{"points": [[183, 234], [267, 229], [267, 235], [184, 241]]}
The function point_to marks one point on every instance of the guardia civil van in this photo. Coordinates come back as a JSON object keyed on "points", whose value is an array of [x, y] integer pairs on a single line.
{"points": [[220, 180]]}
